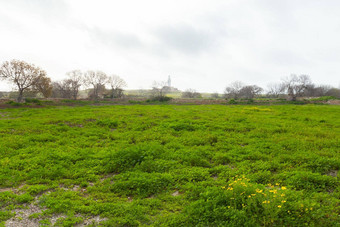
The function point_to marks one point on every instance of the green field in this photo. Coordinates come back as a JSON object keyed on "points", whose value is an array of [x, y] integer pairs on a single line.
{"points": [[171, 165]]}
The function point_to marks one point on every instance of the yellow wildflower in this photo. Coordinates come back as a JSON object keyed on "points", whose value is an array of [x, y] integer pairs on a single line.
{"points": [[279, 206]]}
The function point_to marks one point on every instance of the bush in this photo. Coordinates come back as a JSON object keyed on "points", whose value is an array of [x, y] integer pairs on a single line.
{"points": [[183, 126], [108, 123], [161, 99], [141, 184], [309, 180], [241, 203], [124, 159], [232, 101], [30, 100], [12, 103], [250, 101], [323, 98]]}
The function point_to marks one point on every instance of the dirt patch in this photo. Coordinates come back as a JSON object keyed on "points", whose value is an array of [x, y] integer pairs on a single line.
{"points": [[176, 193], [333, 173], [215, 177], [17, 190], [334, 102], [21, 217], [107, 176], [130, 199], [91, 221], [6, 189], [73, 125]]}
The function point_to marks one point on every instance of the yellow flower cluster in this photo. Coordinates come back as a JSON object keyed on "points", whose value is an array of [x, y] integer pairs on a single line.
{"points": [[271, 192]]}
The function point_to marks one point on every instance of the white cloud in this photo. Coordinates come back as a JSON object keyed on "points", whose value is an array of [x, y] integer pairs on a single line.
{"points": [[203, 44]]}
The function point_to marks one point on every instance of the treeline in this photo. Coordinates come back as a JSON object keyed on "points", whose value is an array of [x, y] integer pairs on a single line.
{"points": [[31, 80], [290, 87]]}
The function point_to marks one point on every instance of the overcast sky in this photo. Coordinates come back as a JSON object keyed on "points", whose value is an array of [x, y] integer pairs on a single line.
{"points": [[204, 45]]}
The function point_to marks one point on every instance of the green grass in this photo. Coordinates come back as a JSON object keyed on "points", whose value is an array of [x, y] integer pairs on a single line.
{"points": [[171, 165]]}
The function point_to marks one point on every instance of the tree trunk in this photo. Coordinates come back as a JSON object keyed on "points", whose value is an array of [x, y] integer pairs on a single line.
{"points": [[19, 99], [291, 97]]}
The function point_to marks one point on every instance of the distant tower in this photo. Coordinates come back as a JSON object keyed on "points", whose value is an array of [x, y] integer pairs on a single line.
{"points": [[169, 81]]}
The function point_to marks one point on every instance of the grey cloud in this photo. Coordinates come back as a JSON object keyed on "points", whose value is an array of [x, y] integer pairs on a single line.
{"points": [[115, 39], [186, 39], [53, 13], [286, 58]]}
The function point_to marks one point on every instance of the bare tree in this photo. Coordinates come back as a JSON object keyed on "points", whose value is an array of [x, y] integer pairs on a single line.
{"points": [[215, 95], [191, 93], [249, 91], [335, 92], [22, 74], [274, 90], [56, 90], [75, 81], [295, 85], [98, 80], [44, 86], [316, 91], [233, 90], [117, 84], [159, 89], [61, 89]]}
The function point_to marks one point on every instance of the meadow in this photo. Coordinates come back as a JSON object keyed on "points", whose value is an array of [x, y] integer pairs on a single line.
{"points": [[170, 165]]}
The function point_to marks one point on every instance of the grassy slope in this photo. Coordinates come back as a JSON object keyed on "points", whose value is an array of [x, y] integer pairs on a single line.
{"points": [[174, 165]]}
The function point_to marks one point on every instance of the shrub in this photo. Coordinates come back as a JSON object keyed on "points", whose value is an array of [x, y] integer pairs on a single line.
{"points": [[108, 123], [12, 103], [141, 184], [161, 99], [232, 101], [323, 98], [123, 160], [31, 100], [183, 126], [308, 180], [24, 198], [241, 203]]}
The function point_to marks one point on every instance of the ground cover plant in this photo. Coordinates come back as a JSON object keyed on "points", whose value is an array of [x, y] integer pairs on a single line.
{"points": [[170, 165]]}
